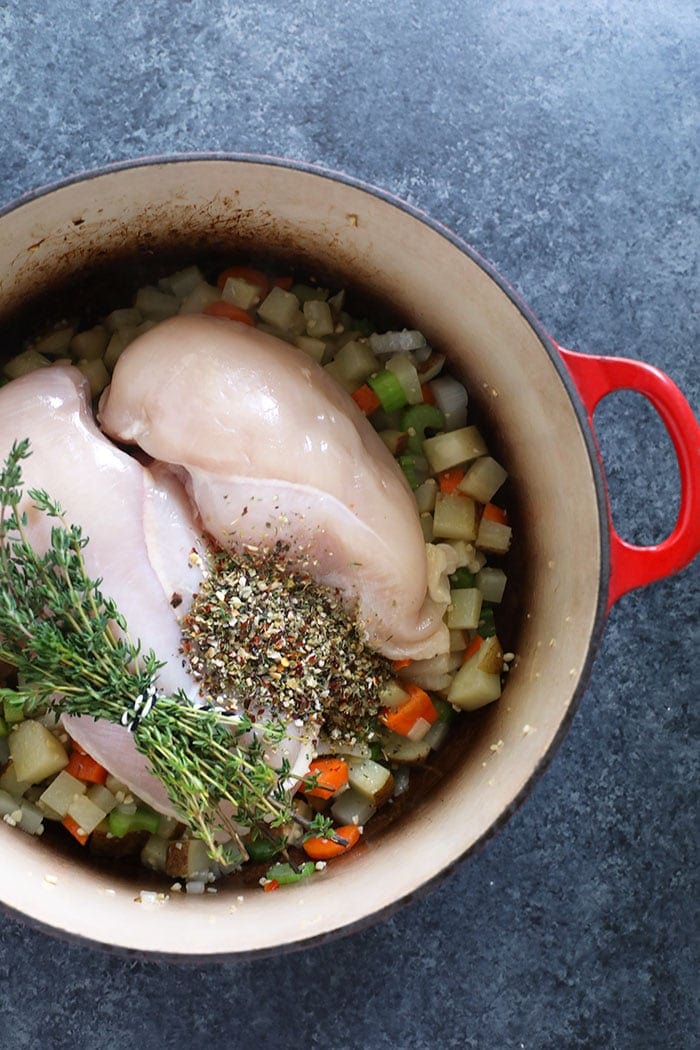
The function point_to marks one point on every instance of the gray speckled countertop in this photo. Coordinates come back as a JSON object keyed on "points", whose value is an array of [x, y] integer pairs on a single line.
{"points": [[559, 138]]}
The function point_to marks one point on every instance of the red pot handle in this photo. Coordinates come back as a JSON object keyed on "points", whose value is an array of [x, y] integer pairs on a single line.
{"points": [[595, 377]]}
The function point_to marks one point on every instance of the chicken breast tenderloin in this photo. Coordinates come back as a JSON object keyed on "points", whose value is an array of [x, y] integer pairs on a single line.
{"points": [[271, 448]]}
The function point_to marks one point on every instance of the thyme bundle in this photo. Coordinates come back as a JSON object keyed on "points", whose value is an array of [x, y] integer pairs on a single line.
{"points": [[71, 649]]}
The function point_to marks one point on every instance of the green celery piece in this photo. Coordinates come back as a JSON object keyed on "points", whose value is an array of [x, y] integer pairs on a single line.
{"points": [[285, 873], [487, 622], [416, 420], [120, 824], [388, 389], [3, 727], [445, 711], [376, 752], [12, 712], [408, 466], [261, 850], [462, 578]]}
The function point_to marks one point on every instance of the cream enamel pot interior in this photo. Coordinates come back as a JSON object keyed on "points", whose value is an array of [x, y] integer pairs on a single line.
{"points": [[568, 564]]}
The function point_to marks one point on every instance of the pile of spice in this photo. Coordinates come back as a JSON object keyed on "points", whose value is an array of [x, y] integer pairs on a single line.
{"points": [[260, 633]]}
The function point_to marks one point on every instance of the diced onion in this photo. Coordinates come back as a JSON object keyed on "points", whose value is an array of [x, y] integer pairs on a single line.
{"points": [[395, 342], [451, 398]]}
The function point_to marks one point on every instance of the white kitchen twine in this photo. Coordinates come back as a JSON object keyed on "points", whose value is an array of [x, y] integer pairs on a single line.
{"points": [[141, 708]]}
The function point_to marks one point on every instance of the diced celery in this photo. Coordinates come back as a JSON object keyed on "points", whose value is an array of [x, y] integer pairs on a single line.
{"points": [[487, 624], [389, 391], [493, 536], [446, 713], [24, 363], [491, 583], [285, 874], [454, 517], [483, 479], [462, 578], [415, 468], [13, 712], [352, 807], [319, 320], [85, 346], [62, 792], [464, 609], [453, 448], [260, 850], [121, 821], [36, 753], [416, 420]]}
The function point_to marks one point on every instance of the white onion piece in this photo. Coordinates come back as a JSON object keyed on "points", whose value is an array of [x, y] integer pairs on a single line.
{"points": [[395, 342], [451, 398]]}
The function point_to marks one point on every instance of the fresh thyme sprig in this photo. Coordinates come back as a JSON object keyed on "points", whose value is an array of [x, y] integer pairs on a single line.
{"points": [[71, 648]]}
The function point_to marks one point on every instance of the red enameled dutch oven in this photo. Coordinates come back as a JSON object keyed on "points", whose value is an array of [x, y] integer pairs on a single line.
{"points": [[536, 401]]}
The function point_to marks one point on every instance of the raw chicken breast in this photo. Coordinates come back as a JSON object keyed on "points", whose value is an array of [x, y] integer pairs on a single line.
{"points": [[141, 530], [272, 449]]}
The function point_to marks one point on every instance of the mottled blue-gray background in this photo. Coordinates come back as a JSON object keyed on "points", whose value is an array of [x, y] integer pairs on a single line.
{"points": [[561, 139]]}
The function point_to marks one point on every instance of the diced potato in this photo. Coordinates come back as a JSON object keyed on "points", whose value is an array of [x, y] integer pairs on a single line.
{"points": [[352, 807], [464, 609], [116, 347], [96, 374], [201, 295], [187, 858], [489, 657], [56, 343], [426, 524], [127, 318], [318, 317], [483, 479], [371, 779], [493, 536], [473, 688], [402, 751], [154, 854], [405, 371], [454, 517], [24, 363], [155, 305], [492, 584], [240, 293], [454, 447], [36, 753], [352, 365], [101, 796], [425, 494], [9, 781], [182, 282], [392, 694], [281, 310], [61, 793], [86, 814], [86, 346], [315, 348]]}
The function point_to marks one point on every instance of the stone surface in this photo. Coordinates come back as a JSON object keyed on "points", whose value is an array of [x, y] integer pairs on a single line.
{"points": [[559, 138]]}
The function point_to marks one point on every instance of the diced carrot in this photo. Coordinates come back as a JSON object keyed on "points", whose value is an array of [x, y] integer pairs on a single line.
{"points": [[473, 647], [448, 480], [282, 282], [366, 399], [331, 773], [427, 392], [83, 767], [228, 310], [494, 513], [402, 719], [271, 885], [76, 831], [325, 849], [398, 664], [246, 273]]}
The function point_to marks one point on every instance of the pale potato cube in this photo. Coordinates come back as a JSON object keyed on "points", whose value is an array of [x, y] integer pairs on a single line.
{"points": [[86, 814], [61, 793], [36, 752]]}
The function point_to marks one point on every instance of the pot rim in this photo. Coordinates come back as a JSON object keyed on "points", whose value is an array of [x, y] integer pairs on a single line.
{"points": [[552, 350]]}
